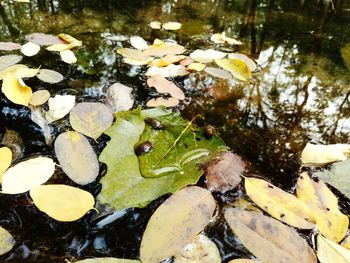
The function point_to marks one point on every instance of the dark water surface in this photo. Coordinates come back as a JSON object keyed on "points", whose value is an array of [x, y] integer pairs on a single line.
{"points": [[300, 94]]}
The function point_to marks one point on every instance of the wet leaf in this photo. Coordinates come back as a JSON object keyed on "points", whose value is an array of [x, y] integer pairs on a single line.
{"points": [[219, 73], [62, 202], [42, 39], [9, 46], [120, 97], [137, 62], [206, 56], [167, 60], [59, 47], [24, 72], [268, 239], [166, 102], [9, 60], [163, 49], [59, 106], [26, 175], [169, 71], [155, 25], [238, 68], [39, 97], [76, 157], [201, 250], [279, 204], [12, 68], [71, 40], [321, 154], [224, 172], [68, 56], [50, 76], [222, 38], [346, 242], [133, 54], [5, 159], [13, 140], [176, 223], [91, 118], [37, 116], [6, 241], [138, 43], [250, 63], [107, 260], [172, 26], [30, 49], [14, 91], [196, 66], [324, 206], [162, 85], [330, 252]]}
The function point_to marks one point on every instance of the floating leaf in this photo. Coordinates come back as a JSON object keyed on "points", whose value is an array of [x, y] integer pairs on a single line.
{"points": [[27, 174], [6, 241], [346, 242], [219, 73], [25, 72], [120, 97], [167, 60], [172, 26], [162, 85], [30, 49], [50, 76], [201, 250], [59, 106], [107, 260], [42, 39], [163, 49], [137, 62], [238, 68], [250, 63], [279, 204], [133, 54], [324, 206], [166, 102], [330, 252], [222, 38], [76, 157], [9, 60], [12, 68], [155, 24], [9, 46], [91, 118], [71, 40], [206, 56], [5, 159], [37, 116], [68, 56], [39, 97], [196, 66], [169, 71], [176, 223], [59, 47], [138, 43], [268, 239], [243, 260], [321, 154], [62, 202], [14, 91]]}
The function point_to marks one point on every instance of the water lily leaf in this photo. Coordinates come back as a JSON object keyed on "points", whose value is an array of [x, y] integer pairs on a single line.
{"points": [[37, 115], [279, 204], [196, 67], [9, 46], [68, 56], [169, 71], [91, 118], [9, 60], [166, 102], [155, 25], [167, 60], [250, 63], [332, 223], [27, 174], [42, 39], [162, 85], [62, 202], [315, 154], [201, 250], [138, 43], [14, 91], [238, 68], [219, 73], [59, 106], [76, 157], [161, 49], [329, 251], [206, 56], [5, 159], [50, 76], [268, 239], [6, 241], [30, 49], [172, 26], [176, 223], [107, 260], [120, 97], [39, 97]]}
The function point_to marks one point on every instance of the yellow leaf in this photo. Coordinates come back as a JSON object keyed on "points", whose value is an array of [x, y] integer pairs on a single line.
{"points": [[25, 72], [167, 60], [163, 49], [68, 56], [217, 39], [196, 66], [60, 47], [237, 67], [330, 252], [321, 154], [30, 49], [157, 42], [6, 241], [11, 69], [155, 25], [62, 202], [5, 159], [324, 206], [71, 40], [346, 242], [279, 204], [14, 91], [172, 26]]}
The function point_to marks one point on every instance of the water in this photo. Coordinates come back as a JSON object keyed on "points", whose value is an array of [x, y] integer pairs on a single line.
{"points": [[300, 94]]}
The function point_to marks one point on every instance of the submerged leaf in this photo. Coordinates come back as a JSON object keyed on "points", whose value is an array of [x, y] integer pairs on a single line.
{"points": [[30, 49], [237, 67], [14, 91], [50, 76], [37, 116], [329, 251], [9, 60], [6, 241], [120, 97], [59, 106], [162, 85], [321, 154], [176, 223]]}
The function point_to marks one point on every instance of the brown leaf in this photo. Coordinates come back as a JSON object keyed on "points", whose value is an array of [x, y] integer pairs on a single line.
{"points": [[162, 85]]}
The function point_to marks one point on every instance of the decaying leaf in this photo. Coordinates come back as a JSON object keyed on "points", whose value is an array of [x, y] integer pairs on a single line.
{"points": [[237, 67], [201, 250], [27, 174], [196, 66], [91, 118], [224, 172], [13, 140], [5, 159], [30, 49], [206, 56], [138, 43], [246, 205], [50, 76], [76, 157], [9, 46], [162, 85], [120, 97], [9, 60], [42, 39], [219, 73], [107, 260], [68, 56], [332, 223], [164, 48], [176, 223], [268, 239], [330, 252], [172, 26], [166, 102], [279, 204], [59, 106], [62, 202], [169, 71], [14, 91], [39, 97], [250, 63], [6, 241], [155, 25], [316, 154]]}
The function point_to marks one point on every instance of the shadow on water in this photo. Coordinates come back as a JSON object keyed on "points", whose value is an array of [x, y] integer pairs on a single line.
{"points": [[300, 94]]}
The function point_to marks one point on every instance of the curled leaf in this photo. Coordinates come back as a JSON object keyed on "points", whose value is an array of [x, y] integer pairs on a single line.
{"points": [[14, 91]]}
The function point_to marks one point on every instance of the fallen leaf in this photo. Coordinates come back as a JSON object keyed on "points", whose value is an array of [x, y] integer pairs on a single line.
{"points": [[107, 260], [206, 56], [138, 43], [50, 76], [118, 38], [217, 38], [71, 40], [169, 71], [346, 242], [176, 223], [42, 39], [30, 49], [39, 97], [229, 40], [133, 54], [9, 60], [186, 61], [24, 72], [62, 202], [37, 116], [172, 26], [120, 97], [250, 63], [219, 73], [268, 239], [166, 102], [316, 154], [5, 159], [91, 118], [6, 241], [155, 25], [224, 172], [161, 49], [59, 47], [201, 250], [137, 62], [279, 204], [76, 157], [196, 66], [238, 68], [330, 222], [242, 260], [9, 46], [14, 91], [26, 175], [59, 106], [68, 56], [167, 60], [330, 252], [12, 68], [246, 205], [162, 85], [14, 141]]}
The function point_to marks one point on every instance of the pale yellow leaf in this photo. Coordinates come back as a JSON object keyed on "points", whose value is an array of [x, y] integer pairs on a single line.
{"points": [[346, 242], [138, 43], [321, 154], [6, 241], [169, 71], [137, 62], [330, 252], [5, 159], [59, 47], [50, 76], [206, 56], [14, 91], [229, 40], [11, 69], [167, 60], [59, 106], [68, 56], [250, 63], [134, 55], [24, 72], [196, 67], [218, 72], [8, 61], [155, 24], [162, 85], [172, 26], [157, 42], [71, 40], [39, 97], [217, 38], [62, 202], [238, 68], [169, 102], [161, 49], [30, 49]]}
